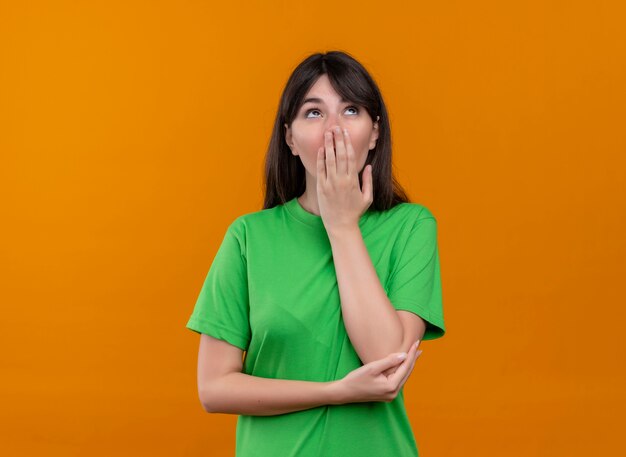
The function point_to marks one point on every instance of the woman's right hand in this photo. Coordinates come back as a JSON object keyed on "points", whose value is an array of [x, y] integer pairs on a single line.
{"points": [[370, 381]]}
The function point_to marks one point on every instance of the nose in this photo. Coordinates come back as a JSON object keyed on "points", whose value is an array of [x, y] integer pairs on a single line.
{"points": [[331, 122]]}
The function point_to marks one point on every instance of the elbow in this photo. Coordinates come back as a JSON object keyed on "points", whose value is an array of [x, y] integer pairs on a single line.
{"points": [[206, 407], [215, 395], [207, 400], [378, 355], [209, 406]]}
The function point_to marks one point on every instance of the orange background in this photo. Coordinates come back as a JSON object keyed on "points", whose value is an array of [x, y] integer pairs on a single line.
{"points": [[133, 133]]}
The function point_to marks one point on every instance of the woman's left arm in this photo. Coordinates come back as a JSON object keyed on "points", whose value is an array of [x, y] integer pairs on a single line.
{"points": [[374, 326]]}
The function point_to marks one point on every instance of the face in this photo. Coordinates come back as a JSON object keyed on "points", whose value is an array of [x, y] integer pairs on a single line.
{"points": [[306, 134]]}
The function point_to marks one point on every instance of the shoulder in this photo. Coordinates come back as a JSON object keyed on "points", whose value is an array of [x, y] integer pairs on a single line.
{"points": [[241, 225], [416, 211], [409, 214]]}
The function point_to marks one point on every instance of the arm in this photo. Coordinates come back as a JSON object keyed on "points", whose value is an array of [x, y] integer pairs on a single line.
{"points": [[374, 326], [223, 388]]}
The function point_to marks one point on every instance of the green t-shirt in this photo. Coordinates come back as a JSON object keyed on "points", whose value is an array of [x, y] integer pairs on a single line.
{"points": [[272, 291]]}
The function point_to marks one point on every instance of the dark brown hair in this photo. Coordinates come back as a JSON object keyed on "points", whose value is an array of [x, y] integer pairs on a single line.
{"points": [[285, 174]]}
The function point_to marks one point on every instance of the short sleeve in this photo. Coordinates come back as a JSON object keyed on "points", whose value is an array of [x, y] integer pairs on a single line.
{"points": [[222, 307], [415, 281]]}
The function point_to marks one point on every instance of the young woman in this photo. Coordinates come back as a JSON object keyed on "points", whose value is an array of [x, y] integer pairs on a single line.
{"points": [[328, 289]]}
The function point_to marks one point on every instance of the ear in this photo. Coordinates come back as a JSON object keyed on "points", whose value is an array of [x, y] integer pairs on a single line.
{"points": [[374, 134], [289, 140]]}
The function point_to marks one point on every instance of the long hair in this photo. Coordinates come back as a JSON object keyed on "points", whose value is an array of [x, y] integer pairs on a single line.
{"points": [[285, 176]]}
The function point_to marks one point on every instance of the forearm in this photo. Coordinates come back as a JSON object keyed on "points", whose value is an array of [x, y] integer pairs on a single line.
{"points": [[240, 393], [371, 321]]}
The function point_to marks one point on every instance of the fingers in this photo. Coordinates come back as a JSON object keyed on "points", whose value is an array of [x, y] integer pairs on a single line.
{"points": [[350, 156], [321, 166], [340, 151], [378, 366], [340, 158], [406, 366], [410, 370], [389, 371], [331, 165]]}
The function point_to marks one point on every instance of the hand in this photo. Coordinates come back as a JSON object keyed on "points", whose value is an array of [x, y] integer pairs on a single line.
{"points": [[339, 196], [392, 370], [369, 383]]}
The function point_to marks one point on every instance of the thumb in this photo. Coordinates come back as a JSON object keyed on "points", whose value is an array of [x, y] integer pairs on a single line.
{"points": [[390, 361]]}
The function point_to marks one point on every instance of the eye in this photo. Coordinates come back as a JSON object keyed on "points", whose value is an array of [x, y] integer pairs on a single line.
{"points": [[306, 114], [312, 110]]}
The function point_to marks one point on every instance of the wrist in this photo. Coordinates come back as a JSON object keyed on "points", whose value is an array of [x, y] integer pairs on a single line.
{"points": [[336, 393], [344, 232]]}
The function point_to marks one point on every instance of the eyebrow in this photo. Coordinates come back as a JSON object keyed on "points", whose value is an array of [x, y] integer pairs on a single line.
{"points": [[319, 100]]}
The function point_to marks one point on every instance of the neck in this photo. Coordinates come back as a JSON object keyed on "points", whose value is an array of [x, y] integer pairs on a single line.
{"points": [[309, 204], [308, 200]]}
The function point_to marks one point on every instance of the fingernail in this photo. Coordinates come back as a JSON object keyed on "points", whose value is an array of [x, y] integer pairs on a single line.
{"points": [[417, 343], [419, 353], [402, 356]]}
